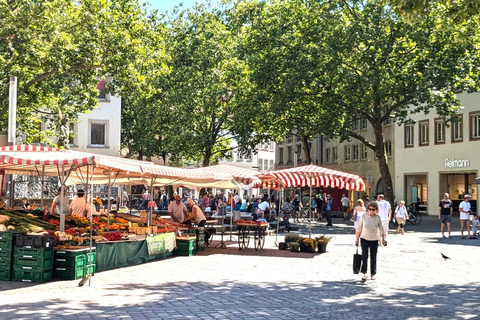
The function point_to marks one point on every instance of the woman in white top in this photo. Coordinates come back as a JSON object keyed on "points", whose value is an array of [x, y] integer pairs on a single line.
{"points": [[358, 212], [370, 225], [197, 215], [401, 216]]}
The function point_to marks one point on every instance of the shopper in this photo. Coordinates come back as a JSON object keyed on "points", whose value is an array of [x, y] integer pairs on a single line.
{"points": [[445, 211], [475, 224], [328, 210], [58, 201], [401, 216], [78, 207], [319, 200], [25, 205], [345, 205], [176, 209], [197, 215], [358, 212], [465, 211], [385, 213], [369, 228]]}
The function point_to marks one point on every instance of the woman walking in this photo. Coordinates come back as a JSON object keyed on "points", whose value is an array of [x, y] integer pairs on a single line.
{"points": [[401, 216], [358, 212], [368, 229]]}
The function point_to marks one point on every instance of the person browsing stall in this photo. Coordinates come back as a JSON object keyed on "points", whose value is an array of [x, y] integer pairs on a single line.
{"points": [[197, 215], [79, 206], [25, 204], [176, 209], [58, 201]]}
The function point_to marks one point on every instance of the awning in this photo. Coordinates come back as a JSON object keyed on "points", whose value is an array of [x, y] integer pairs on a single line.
{"points": [[312, 175]]}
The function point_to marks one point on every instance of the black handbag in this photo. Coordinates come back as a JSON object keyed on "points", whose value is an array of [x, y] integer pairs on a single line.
{"points": [[357, 262]]}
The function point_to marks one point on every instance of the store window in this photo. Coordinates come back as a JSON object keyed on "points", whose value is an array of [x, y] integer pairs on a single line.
{"points": [[348, 154], [439, 131], [474, 125], [328, 155], [355, 152], [98, 133], [364, 152], [335, 155], [457, 129], [423, 132], [408, 135]]}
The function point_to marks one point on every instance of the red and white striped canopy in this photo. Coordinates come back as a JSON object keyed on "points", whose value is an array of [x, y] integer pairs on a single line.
{"points": [[241, 175], [176, 173], [312, 175]]}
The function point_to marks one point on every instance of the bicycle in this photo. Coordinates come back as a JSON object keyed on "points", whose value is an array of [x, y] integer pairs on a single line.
{"points": [[414, 217]]}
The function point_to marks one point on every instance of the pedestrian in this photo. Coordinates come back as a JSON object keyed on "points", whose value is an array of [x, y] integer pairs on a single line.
{"points": [[313, 207], [358, 212], [465, 211], [176, 209], [164, 200], [385, 213], [57, 203], [25, 204], [345, 205], [445, 211], [146, 199], [401, 216], [297, 205], [475, 224], [79, 207], [328, 210], [370, 226], [319, 201]]}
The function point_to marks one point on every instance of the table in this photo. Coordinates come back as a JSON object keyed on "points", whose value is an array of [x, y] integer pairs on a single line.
{"points": [[245, 231]]}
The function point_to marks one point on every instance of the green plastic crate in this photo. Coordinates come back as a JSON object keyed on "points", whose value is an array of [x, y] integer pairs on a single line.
{"points": [[33, 261], [6, 235], [70, 253], [72, 262], [94, 268], [6, 254], [94, 257], [5, 263], [32, 275], [6, 243], [201, 246], [5, 274], [185, 252], [33, 252], [186, 245], [68, 273]]}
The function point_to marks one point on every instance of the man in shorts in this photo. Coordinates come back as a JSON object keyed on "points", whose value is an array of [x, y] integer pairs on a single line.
{"points": [[385, 213], [465, 209], [445, 211]]}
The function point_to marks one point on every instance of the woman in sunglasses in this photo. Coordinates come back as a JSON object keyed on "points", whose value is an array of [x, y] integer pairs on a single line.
{"points": [[368, 228]]}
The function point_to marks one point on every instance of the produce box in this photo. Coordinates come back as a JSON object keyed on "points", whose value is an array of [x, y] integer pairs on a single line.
{"points": [[6, 254], [72, 262], [93, 266], [5, 263], [6, 235], [5, 274], [69, 253], [31, 275], [27, 262], [186, 247], [94, 257], [201, 246], [33, 252], [68, 273], [34, 241]]}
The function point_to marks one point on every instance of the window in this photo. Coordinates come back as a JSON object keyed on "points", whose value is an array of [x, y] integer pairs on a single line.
{"points": [[439, 131], [388, 120], [408, 135], [289, 139], [289, 155], [328, 155], [299, 152], [423, 134], [457, 129], [280, 157], [265, 165], [348, 155], [474, 125], [299, 138], [271, 165], [271, 145], [280, 143], [98, 133], [388, 148], [248, 156], [260, 164], [335, 155], [364, 152], [355, 152], [355, 123], [363, 124], [239, 155]]}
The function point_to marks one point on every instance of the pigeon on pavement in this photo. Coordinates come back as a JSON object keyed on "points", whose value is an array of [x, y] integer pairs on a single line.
{"points": [[445, 257]]}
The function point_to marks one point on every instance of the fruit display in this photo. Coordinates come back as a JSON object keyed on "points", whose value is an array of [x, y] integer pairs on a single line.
{"points": [[250, 222], [23, 222]]}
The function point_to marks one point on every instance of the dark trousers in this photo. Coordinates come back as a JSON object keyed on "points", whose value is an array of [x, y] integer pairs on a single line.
{"points": [[328, 215], [373, 246]]}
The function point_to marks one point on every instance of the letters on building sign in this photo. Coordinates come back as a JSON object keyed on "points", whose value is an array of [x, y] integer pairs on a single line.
{"points": [[452, 163]]}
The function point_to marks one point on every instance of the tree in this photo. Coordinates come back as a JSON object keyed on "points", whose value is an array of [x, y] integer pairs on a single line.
{"points": [[283, 44], [59, 49], [200, 89], [459, 10]]}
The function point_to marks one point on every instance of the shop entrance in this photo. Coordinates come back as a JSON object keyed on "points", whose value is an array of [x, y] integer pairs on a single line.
{"points": [[416, 191], [457, 185]]}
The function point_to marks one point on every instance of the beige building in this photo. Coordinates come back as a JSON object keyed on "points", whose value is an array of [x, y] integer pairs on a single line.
{"points": [[433, 158]]}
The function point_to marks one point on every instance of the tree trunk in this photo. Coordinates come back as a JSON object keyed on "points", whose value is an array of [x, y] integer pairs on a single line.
{"points": [[306, 149], [383, 161], [206, 157]]}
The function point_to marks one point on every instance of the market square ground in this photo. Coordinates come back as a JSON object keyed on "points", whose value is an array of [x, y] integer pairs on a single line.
{"points": [[413, 282]]}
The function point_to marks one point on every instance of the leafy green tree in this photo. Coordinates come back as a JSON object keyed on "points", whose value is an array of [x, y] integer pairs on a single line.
{"points": [[459, 10], [58, 49]]}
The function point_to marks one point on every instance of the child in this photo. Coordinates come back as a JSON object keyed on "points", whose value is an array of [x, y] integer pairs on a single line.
{"points": [[475, 224]]}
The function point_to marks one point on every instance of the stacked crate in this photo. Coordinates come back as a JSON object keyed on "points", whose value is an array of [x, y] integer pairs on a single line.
{"points": [[200, 239], [6, 249], [32, 258], [186, 245], [73, 264]]}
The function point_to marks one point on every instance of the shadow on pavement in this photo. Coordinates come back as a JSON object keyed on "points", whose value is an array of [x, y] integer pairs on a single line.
{"points": [[231, 300], [232, 249]]}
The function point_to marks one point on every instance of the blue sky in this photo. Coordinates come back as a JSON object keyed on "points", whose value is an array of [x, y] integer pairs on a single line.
{"points": [[167, 5]]}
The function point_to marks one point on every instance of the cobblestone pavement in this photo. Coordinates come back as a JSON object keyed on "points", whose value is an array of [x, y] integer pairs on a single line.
{"points": [[413, 282]]}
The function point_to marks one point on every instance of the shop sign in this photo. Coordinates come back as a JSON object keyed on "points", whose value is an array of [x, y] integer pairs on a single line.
{"points": [[160, 243], [453, 163]]}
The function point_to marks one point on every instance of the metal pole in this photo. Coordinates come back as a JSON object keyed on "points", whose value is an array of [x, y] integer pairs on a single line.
{"points": [[310, 205], [150, 212], [91, 227], [42, 200], [62, 195], [109, 195], [12, 126]]}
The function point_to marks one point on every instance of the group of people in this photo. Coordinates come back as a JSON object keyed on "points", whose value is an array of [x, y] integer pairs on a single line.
{"points": [[445, 211]]}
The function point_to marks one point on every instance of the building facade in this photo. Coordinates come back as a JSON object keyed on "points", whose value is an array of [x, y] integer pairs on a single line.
{"points": [[433, 157]]}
